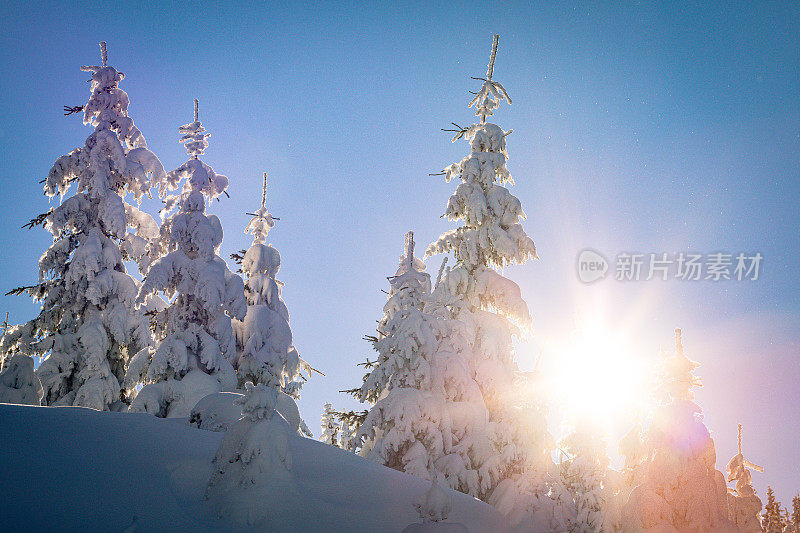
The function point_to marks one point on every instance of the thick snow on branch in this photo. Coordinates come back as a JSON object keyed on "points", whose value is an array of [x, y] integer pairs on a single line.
{"points": [[88, 327], [266, 353], [18, 382], [197, 335], [743, 504], [681, 487], [491, 234], [490, 311]]}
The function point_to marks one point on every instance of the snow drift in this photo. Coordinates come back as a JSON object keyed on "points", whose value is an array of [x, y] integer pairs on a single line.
{"points": [[111, 471]]}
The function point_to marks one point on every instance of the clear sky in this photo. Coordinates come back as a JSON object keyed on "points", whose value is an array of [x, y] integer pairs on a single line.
{"points": [[641, 128]]}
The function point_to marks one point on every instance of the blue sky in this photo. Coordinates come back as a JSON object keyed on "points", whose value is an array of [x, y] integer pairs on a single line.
{"points": [[647, 127]]}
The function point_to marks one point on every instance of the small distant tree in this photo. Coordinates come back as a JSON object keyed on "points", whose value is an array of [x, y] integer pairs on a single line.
{"points": [[196, 344], [743, 504], [330, 426], [796, 514], [771, 519], [19, 383]]}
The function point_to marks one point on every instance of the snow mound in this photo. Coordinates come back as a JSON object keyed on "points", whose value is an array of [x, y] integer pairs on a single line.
{"points": [[219, 411], [121, 470], [19, 383]]}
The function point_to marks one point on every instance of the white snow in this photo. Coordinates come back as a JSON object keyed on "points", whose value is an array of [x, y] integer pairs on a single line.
{"points": [[196, 349], [18, 382], [82, 481], [218, 411]]}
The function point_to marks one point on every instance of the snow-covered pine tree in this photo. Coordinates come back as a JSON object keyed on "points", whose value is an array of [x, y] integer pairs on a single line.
{"points": [[196, 344], [584, 473], [632, 447], [330, 426], [795, 522], [427, 415], [19, 383], [743, 504], [254, 453], [265, 351], [3, 355], [771, 520], [681, 490], [346, 433], [491, 305], [433, 508], [89, 327]]}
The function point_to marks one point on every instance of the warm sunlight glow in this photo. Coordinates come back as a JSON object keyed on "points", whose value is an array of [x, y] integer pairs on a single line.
{"points": [[596, 374]]}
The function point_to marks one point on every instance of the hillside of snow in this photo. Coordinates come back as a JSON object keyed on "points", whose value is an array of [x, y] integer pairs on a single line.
{"points": [[73, 468]]}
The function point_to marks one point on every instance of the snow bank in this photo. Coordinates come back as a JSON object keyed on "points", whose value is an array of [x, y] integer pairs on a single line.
{"points": [[108, 471]]}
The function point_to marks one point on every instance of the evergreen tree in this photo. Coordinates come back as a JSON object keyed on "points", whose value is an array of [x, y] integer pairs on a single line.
{"points": [[585, 475], [795, 523], [19, 383], [88, 326], [427, 415], [330, 426], [433, 508], [743, 504], [265, 352], [196, 344], [634, 449], [771, 520], [681, 488], [253, 453], [513, 467]]}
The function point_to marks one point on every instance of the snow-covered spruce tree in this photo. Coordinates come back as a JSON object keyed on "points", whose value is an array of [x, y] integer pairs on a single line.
{"points": [[681, 490], [795, 522], [330, 426], [346, 433], [427, 415], [253, 455], [19, 383], [491, 307], [743, 504], [265, 352], [585, 475], [633, 448], [89, 326], [433, 508], [771, 520], [196, 344]]}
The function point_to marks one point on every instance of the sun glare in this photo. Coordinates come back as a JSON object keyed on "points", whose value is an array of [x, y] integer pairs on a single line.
{"points": [[596, 374]]}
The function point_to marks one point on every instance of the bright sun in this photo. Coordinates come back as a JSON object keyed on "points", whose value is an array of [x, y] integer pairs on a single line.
{"points": [[596, 374]]}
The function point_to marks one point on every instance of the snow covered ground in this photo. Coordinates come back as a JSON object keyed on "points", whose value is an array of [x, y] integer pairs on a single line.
{"points": [[72, 468]]}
